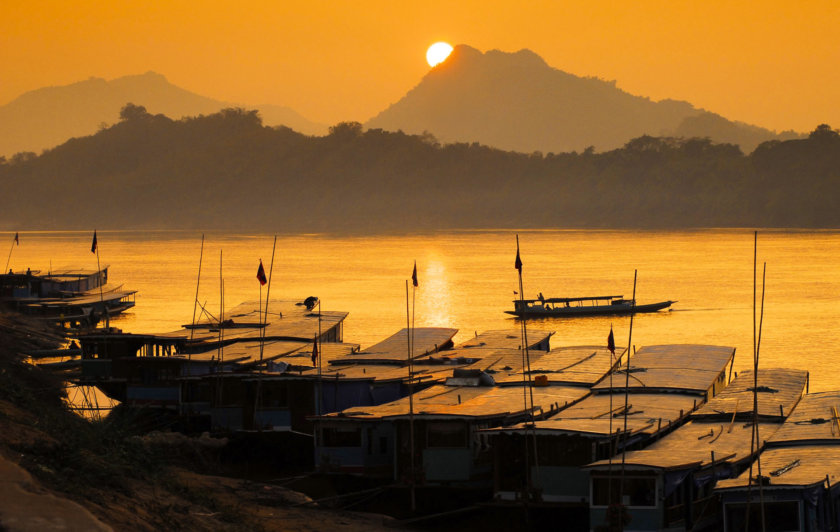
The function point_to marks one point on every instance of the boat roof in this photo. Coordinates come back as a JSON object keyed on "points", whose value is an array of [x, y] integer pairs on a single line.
{"points": [[792, 467], [814, 420], [287, 320], [293, 352], [81, 300], [394, 349], [449, 402], [382, 373], [504, 365], [571, 365], [689, 368], [779, 391], [591, 416], [692, 445], [503, 339], [569, 299]]}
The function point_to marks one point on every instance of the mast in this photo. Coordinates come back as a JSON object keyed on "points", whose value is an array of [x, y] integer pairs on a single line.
{"points": [[410, 346], [95, 248], [195, 302], [528, 390], [626, 393], [15, 240], [755, 442], [263, 323]]}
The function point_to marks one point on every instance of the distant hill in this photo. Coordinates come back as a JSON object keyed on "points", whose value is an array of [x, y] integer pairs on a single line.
{"points": [[47, 117], [227, 171], [515, 101]]}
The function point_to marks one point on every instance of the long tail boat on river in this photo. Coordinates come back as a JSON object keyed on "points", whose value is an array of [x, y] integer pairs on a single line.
{"points": [[572, 307]]}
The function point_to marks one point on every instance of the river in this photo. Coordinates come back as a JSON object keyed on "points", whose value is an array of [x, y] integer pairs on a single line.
{"points": [[467, 279]]}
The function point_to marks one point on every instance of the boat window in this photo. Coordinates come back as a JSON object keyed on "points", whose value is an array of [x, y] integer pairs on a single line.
{"points": [[342, 437], [778, 516], [639, 491], [445, 434]]}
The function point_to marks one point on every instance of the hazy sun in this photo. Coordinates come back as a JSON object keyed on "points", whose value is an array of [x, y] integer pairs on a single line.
{"points": [[438, 52]]}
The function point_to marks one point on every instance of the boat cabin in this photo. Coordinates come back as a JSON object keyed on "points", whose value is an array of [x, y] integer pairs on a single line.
{"points": [[799, 483], [669, 484]]}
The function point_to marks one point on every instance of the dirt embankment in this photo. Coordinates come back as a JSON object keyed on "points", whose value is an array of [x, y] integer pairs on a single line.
{"points": [[60, 472]]}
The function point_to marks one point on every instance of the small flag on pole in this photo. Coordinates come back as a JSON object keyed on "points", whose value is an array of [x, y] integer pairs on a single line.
{"points": [[315, 352], [261, 274], [414, 275], [17, 239], [518, 263], [611, 342], [93, 244]]}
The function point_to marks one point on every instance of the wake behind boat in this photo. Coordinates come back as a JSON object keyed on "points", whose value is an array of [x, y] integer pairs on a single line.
{"points": [[568, 307]]}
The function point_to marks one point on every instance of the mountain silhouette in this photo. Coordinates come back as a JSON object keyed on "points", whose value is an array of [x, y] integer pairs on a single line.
{"points": [[228, 171], [47, 117], [515, 101]]}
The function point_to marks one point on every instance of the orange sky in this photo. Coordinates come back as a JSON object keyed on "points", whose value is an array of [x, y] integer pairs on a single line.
{"points": [[770, 63]]}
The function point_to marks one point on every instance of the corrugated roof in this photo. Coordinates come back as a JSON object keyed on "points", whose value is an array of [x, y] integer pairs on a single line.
{"points": [[582, 365], [792, 467], [591, 416], [813, 420], [286, 320], [777, 387], [504, 339], [471, 402], [686, 367], [394, 349], [694, 442]]}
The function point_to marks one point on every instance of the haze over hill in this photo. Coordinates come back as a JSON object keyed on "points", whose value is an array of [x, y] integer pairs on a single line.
{"points": [[227, 171], [47, 117], [515, 101]]}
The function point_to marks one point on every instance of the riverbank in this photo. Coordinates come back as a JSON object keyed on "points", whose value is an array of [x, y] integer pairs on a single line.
{"points": [[61, 472]]}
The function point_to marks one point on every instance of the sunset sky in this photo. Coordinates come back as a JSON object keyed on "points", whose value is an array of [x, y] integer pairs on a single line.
{"points": [[770, 63]]}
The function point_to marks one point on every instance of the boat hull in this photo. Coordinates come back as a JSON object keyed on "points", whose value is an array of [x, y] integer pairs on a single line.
{"points": [[595, 310]]}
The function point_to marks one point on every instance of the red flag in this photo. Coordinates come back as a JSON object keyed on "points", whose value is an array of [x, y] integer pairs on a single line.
{"points": [[518, 263], [93, 244], [611, 342], [314, 352], [17, 239], [414, 275], [261, 274]]}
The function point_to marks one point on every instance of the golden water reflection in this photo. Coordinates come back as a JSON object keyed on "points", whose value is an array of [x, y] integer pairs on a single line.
{"points": [[467, 280]]}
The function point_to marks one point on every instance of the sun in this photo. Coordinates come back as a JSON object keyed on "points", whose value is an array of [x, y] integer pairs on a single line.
{"points": [[438, 52]]}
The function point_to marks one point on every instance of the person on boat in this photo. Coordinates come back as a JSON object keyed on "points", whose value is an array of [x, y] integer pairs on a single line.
{"points": [[541, 298]]}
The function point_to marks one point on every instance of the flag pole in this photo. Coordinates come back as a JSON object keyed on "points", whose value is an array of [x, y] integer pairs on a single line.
{"points": [[264, 324], [626, 398], [526, 377], [99, 274], [410, 403], [15, 240], [320, 376]]}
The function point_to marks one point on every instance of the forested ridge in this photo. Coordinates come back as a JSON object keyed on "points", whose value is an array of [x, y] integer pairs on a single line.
{"points": [[227, 171]]}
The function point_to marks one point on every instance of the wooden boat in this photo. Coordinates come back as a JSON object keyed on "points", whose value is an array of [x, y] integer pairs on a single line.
{"points": [[567, 307], [65, 296]]}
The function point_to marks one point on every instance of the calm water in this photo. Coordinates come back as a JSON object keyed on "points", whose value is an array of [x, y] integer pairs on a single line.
{"points": [[467, 280]]}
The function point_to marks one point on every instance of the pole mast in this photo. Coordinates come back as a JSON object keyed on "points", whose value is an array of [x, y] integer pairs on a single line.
{"points": [[626, 393], [410, 347], [15, 240], [195, 302]]}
